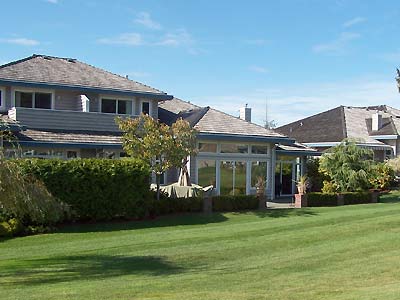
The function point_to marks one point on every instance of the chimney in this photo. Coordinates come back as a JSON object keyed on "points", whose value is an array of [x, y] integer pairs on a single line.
{"points": [[245, 113], [376, 121]]}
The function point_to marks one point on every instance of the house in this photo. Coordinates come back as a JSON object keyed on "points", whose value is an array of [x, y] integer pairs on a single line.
{"points": [[63, 108], [373, 127]]}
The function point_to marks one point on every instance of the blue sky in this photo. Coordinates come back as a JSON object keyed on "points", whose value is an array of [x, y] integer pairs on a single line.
{"points": [[303, 56]]}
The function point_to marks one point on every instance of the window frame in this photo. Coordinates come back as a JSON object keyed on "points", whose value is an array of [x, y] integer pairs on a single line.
{"points": [[117, 99], [33, 91], [3, 98], [150, 106]]}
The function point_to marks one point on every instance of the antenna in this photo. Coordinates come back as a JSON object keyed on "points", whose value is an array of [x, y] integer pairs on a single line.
{"points": [[266, 113]]}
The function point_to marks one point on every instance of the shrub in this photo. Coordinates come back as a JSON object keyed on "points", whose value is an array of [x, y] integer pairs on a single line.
{"points": [[322, 199], [356, 198], [167, 205], [96, 189], [234, 203], [316, 177], [382, 176], [26, 198]]}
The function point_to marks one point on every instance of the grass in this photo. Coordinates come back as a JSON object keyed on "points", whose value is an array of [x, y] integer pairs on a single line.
{"points": [[348, 252]]}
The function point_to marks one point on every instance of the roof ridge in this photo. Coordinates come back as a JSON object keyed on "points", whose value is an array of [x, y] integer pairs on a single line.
{"points": [[238, 118]]}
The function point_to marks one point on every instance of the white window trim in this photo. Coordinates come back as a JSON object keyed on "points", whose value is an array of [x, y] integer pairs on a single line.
{"points": [[150, 106], [110, 97], [3, 98], [33, 91]]}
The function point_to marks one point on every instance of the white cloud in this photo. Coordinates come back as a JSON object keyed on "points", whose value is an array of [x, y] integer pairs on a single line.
{"points": [[129, 39], [286, 104], [337, 46], [145, 19], [354, 21], [179, 38], [20, 41], [258, 69]]}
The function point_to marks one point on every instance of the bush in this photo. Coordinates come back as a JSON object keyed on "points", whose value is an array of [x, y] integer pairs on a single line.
{"points": [[234, 203], [26, 198], [322, 199], [316, 177], [166, 205], [356, 198], [11, 227], [382, 176], [96, 189]]}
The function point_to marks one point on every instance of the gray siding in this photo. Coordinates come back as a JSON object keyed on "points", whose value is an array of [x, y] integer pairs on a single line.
{"points": [[64, 120], [66, 100]]}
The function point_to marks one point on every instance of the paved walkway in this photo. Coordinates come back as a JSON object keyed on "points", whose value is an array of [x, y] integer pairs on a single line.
{"points": [[283, 202]]}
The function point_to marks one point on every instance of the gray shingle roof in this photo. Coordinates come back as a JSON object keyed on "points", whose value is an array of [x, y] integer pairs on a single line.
{"points": [[344, 122], [66, 137], [68, 72], [213, 121]]}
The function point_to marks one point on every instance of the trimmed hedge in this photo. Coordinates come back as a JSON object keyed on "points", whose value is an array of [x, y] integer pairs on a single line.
{"points": [[322, 199], [357, 198], [234, 203], [332, 199], [96, 189], [167, 205]]}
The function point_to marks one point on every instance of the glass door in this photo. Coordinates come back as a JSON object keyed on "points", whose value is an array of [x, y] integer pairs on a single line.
{"points": [[233, 178]]}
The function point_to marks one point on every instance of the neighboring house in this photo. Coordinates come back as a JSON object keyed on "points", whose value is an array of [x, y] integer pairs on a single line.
{"points": [[63, 108], [233, 152], [373, 127]]}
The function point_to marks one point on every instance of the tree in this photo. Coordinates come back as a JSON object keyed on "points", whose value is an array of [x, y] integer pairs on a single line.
{"points": [[156, 144], [348, 166]]}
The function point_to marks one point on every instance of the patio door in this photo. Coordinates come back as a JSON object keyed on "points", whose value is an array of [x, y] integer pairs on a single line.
{"points": [[233, 178], [284, 178]]}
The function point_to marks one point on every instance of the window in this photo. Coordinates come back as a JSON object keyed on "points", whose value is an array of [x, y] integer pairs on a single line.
{"points": [[72, 154], [207, 147], [33, 100], [233, 178], [116, 106], [2, 98], [234, 148], [206, 172], [258, 149], [146, 108], [258, 169]]}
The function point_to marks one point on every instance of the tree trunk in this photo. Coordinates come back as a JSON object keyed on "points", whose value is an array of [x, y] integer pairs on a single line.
{"points": [[158, 185]]}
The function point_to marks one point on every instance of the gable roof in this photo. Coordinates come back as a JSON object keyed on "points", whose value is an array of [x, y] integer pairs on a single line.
{"points": [[344, 122], [209, 121], [70, 73]]}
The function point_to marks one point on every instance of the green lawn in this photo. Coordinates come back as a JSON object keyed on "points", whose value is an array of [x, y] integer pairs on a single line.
{"points": [[350, 252]]}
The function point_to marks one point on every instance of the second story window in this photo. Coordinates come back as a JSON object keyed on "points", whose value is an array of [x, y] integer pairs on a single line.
{"points": [[116, 106], [146, 108], [33, 100]]}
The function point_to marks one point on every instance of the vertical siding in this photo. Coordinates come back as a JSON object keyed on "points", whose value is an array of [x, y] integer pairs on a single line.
{"points": [[193, 169], [172, 175]]}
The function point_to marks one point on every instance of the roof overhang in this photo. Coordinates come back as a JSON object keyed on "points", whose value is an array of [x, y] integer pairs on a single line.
{"points": [[332, 144], [299, 153], [385, 137], [246, 138], [70, 145], [154, 96]]}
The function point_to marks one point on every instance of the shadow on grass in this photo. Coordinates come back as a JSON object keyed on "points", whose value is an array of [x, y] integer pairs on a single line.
{"points": [[87, 267], [283, 212], [393, 197], [163, 221]]}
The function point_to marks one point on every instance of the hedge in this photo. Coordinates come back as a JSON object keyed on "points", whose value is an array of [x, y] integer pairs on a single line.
{"points": [[96, 189], [234, 203], [356, 198], [321, 199], [332, 199]]}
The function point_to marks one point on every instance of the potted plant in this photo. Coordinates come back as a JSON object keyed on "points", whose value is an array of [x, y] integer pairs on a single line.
{"points": [[301, 197], [260, 191]]}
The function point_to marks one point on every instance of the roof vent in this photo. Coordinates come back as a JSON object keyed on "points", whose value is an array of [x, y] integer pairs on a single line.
{"points": [[71, 60], [47, 57]]}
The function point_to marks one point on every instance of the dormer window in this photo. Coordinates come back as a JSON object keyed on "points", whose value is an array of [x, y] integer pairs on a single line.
{"points": [[33, 100], [116, 106], [146, 108]]}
